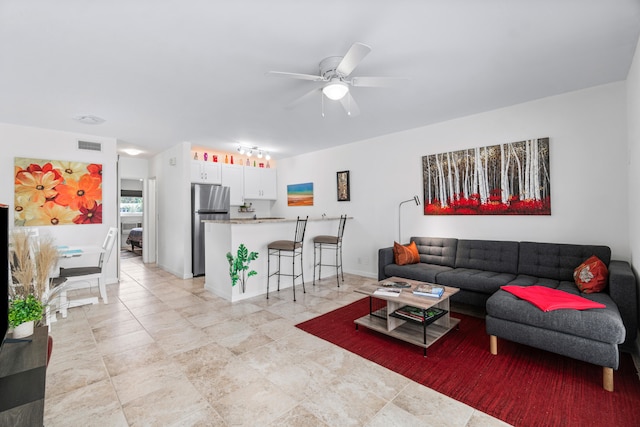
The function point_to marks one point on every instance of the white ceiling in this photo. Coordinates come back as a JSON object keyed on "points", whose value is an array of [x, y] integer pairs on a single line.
{"points": [[165, 71]]}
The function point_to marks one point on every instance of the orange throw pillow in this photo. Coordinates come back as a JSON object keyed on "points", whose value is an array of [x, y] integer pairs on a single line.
{"points": [[405, 254], [591, 275]]}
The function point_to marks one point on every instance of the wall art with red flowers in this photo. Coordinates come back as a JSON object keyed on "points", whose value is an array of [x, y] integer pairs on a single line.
{"points": [[57, 192]]}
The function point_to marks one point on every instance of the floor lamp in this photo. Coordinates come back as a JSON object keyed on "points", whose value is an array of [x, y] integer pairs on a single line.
{"points": [[414, 199]]}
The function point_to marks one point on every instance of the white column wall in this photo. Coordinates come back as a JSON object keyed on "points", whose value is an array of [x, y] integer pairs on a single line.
{"points": [[633, 126], [171, 168]]}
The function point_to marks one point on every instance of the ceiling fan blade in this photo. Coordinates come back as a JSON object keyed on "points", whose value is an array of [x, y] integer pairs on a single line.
{"points": [[296, 75], [293, 104], [356, 53], [350, 105], [377, 81]]}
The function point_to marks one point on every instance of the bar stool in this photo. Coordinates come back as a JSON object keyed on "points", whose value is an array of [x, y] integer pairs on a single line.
{"points": [[332, 243], [288, 248]]}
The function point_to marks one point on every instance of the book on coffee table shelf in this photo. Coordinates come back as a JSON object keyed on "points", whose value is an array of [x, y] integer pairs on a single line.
{"points": [[419, 315], [428, 290], [401, 285], [388, 292]]}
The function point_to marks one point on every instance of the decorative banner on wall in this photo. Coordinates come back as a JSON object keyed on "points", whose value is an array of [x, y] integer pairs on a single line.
{"points": [[300, 194], [52, 192], [505, 179]]}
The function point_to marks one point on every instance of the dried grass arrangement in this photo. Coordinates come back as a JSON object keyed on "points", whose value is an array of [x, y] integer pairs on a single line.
{"points": [[32, 261]]}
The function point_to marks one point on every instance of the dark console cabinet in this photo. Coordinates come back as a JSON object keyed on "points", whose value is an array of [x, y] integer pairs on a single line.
{"points": [[23, 368]]}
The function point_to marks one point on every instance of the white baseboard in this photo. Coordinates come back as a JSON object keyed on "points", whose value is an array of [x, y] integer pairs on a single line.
{"points": [[362, 273], [175, 273]]}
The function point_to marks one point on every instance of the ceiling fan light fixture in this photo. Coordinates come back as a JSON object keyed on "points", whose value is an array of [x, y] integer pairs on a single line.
{"points": [[241, 150], [267, 156], [132, 151], [335, 89], [260, 154]]}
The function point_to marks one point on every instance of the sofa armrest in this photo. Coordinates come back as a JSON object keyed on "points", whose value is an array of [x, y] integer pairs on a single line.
{"points": [[385, 257], [624, 292]]}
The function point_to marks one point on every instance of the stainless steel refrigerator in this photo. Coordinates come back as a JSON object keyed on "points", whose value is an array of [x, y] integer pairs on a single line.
{"points": [[207, 202]]}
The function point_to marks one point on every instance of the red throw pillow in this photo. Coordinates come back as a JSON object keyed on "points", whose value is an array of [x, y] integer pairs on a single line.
{"points": [[591, 275], [408, 254]]}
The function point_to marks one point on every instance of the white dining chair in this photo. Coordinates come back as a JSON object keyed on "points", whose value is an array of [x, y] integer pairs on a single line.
{"points": [[75, 276]]}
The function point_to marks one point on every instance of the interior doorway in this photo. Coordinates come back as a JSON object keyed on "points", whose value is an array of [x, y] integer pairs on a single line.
{"points": [[131, 215]]}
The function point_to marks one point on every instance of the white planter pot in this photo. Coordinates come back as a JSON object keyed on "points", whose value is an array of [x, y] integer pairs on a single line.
{"points": [[23, 330]]}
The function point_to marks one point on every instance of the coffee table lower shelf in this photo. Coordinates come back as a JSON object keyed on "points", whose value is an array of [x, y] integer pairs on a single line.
{"points": [[411, 332]]}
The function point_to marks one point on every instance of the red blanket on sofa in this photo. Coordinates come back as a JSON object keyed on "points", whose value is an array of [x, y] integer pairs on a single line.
{"points": [[547, 299]]}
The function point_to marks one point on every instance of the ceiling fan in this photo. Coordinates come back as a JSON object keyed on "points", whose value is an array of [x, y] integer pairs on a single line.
{"points": [[336, 79]]}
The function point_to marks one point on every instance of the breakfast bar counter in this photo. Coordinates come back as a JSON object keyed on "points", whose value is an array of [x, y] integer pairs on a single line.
{"points": [[223, 236]]}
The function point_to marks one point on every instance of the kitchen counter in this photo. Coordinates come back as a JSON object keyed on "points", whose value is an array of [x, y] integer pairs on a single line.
{"points": [[223, 236], [264, 220]]}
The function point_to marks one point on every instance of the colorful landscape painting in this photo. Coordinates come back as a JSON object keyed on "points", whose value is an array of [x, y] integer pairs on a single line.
{"points": [[504, 179], [54, 192], [300, 194]]}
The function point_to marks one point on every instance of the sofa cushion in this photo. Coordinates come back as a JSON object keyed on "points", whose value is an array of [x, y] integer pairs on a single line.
{"points": [[421, 271], [488, 255], [437, 250], [525, 280], [474, 280], [404, 255], [557, 261], [603, 325], [591, 276]]}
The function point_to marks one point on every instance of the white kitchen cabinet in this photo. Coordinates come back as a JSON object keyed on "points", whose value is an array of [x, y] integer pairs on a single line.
{"points": [[260, 183], [205, 172], [233, 177]]}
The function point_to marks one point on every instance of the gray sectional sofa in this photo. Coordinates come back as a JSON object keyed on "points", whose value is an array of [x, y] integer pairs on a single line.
{"points": [[480, 267]]}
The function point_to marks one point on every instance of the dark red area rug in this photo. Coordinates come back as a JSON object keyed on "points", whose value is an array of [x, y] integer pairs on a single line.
{"points": [[522, 385]]}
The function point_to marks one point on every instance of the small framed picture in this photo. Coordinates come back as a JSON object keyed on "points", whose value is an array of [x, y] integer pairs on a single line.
{"points": [[343, 186]]}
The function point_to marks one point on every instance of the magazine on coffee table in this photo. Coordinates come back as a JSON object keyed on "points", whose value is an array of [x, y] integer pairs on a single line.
{"points": [[419, 315], [401, 285], [428, 290], [388, 292]]}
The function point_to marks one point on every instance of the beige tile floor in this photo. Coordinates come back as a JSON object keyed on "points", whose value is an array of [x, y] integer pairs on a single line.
{"points": [[165, 351]]}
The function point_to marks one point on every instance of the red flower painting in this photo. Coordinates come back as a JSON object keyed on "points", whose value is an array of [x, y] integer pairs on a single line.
{"points": [[51, 192]]}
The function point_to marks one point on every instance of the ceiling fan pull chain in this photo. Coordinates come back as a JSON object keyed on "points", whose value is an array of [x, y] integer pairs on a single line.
{"points": [[322, 103]]}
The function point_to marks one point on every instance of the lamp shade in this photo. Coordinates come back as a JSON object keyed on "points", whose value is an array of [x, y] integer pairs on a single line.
{"points": [[335, 89]]}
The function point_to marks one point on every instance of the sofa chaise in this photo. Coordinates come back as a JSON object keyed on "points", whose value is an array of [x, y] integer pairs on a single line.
{"points": [[481, 267]]}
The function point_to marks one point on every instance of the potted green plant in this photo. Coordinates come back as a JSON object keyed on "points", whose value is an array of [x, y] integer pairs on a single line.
{"points": [[23, 313], [239, 265], [32, 261]]}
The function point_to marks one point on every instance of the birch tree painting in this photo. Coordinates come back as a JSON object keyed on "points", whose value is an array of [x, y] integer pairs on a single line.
{"points": [[505, 179]]}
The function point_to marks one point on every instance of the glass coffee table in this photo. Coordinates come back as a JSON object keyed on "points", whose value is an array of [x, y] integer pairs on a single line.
{"points": [[419, 320]]}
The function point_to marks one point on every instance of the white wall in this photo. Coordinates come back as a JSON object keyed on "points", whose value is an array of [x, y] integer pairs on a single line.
{"points": [[133, 168], [131, 184], [633, 125], [589, 190], [172, 168], [21, 141]]}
